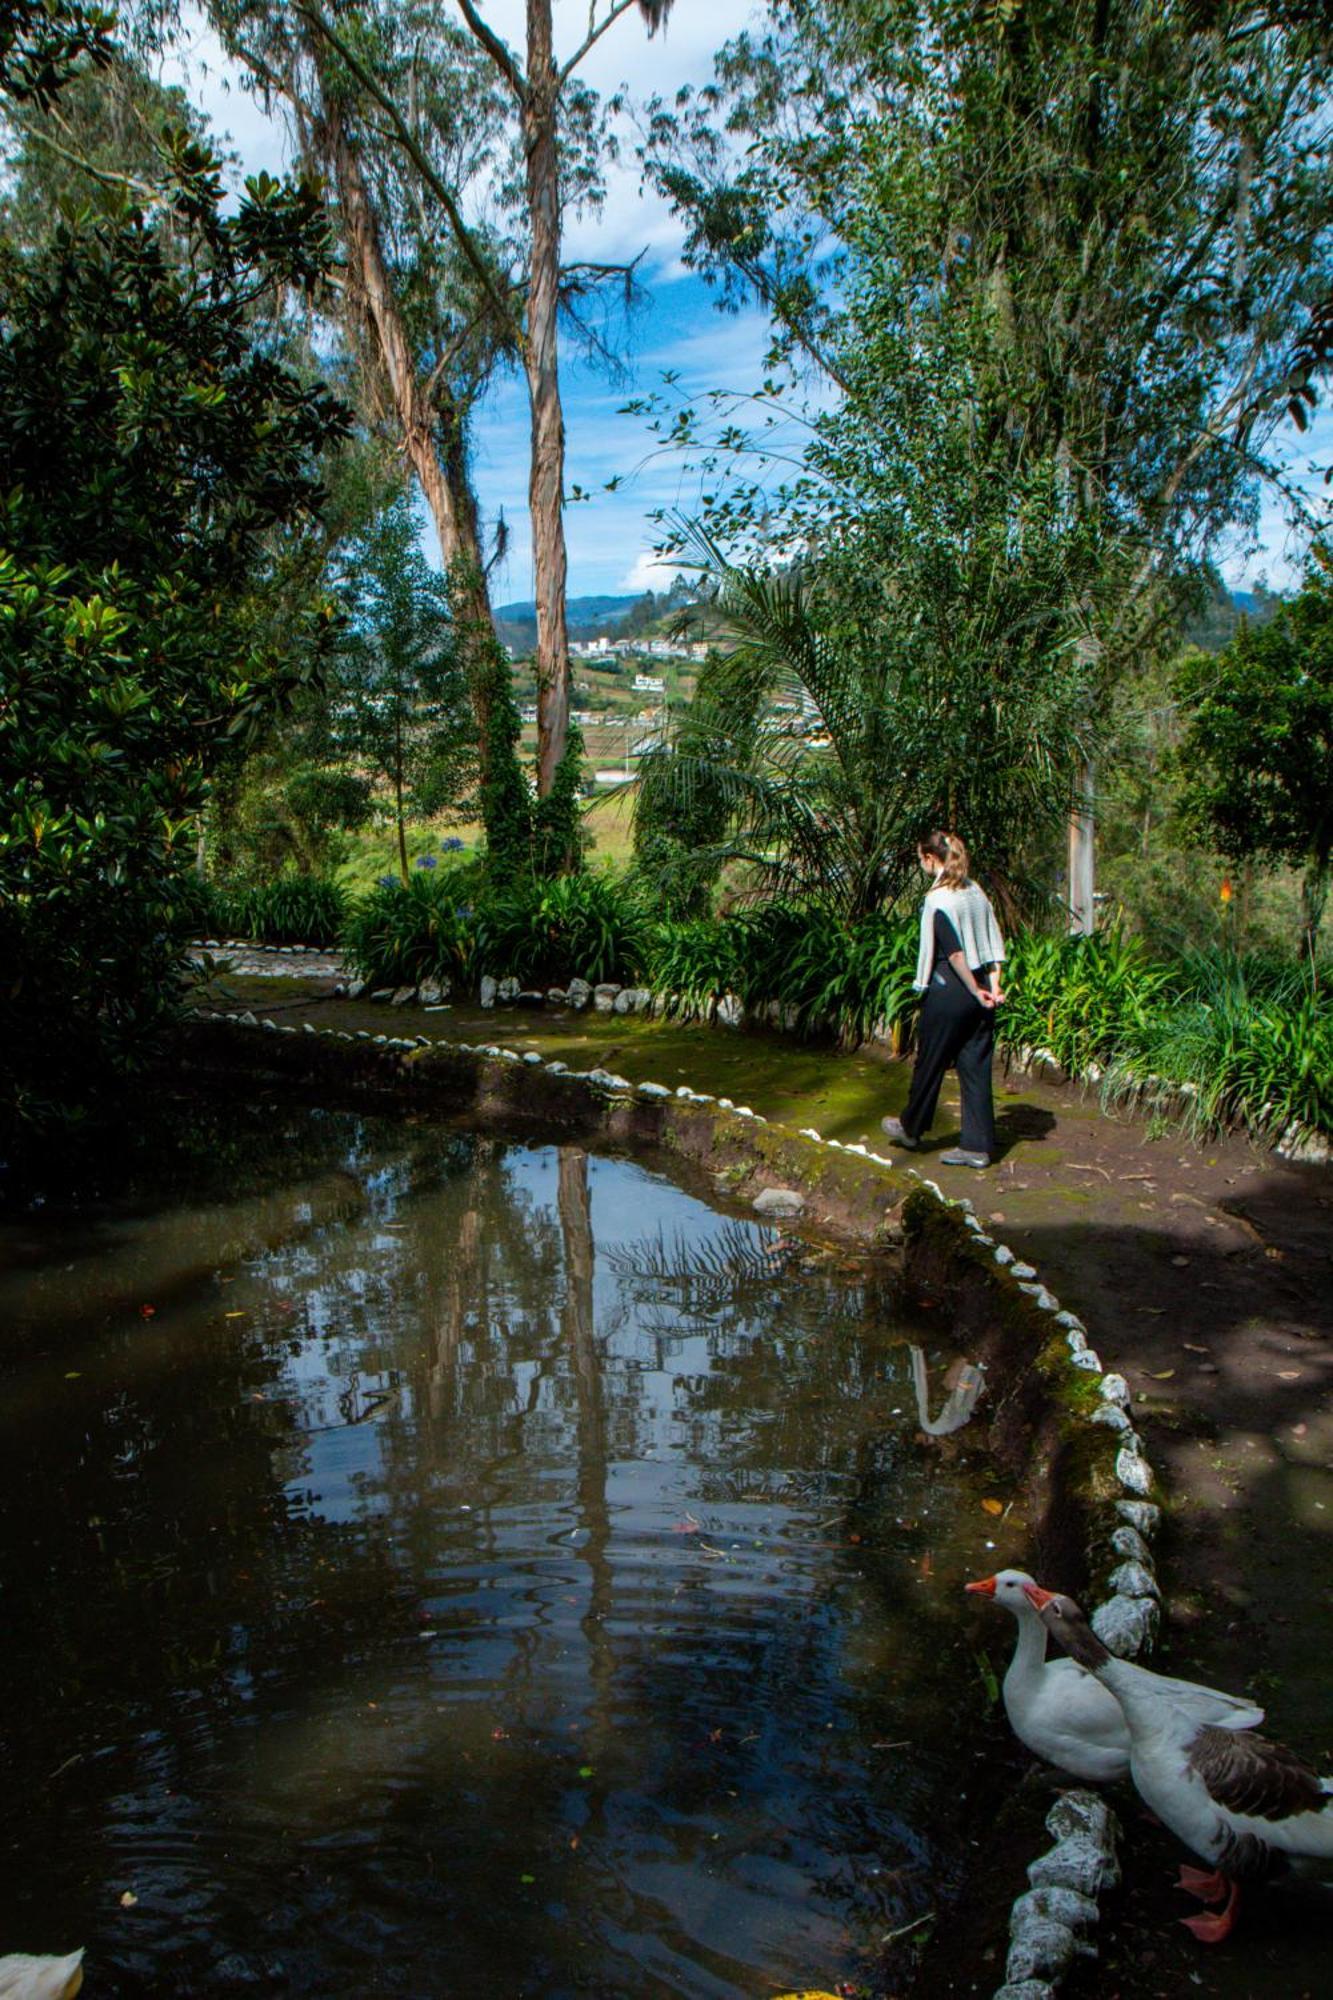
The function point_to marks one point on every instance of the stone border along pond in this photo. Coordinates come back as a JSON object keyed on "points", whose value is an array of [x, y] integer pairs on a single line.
{"points": [[1057, 1418], [1300, 1143]]}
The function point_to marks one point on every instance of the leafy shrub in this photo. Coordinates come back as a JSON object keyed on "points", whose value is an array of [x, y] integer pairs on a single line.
{"points": [[296, 909], [832, 976], [401, 934], [1083, 998], [1251, 1038], [696, 960], [588, 926]]}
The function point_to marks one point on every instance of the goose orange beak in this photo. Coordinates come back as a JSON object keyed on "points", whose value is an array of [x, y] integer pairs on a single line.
{"points": [[984, 1588], [1036, 1596]]}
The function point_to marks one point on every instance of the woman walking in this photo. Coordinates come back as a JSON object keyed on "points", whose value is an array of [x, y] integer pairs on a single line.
{"points": [[957, 969]]}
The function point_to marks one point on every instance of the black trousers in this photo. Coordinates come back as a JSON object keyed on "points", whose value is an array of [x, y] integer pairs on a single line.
{"points": [[954, 1031]]}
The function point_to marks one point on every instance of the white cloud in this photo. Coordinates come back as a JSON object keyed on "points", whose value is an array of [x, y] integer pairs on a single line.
{"points": [[650, 573]]}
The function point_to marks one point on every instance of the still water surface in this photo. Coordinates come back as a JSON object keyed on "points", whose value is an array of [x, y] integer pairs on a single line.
{"points": [[442, 1566]]}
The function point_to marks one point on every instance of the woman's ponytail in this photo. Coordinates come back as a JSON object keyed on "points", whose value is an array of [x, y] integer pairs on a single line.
{"points": [[951, 854]]}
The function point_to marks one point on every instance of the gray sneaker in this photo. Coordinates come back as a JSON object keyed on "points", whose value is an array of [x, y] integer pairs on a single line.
{"points": [[959, 1157], [893, 1131]]}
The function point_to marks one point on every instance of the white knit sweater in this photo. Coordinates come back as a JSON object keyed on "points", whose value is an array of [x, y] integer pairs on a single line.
{"points": [[968, 910]]}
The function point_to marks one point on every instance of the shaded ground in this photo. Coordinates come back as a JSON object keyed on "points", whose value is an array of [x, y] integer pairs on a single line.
{"points": [[1206, 1274]]}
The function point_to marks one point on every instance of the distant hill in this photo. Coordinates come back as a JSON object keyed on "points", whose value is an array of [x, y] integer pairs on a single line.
{"points": [[588, 617]]}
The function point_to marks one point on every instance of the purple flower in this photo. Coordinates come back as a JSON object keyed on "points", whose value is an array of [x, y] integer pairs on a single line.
{"points": [[388, 881], [451, 845], [427, 861]]}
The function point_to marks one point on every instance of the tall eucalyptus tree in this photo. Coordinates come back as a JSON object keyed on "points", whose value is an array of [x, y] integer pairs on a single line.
{"points": [[1051, 258], [544, 91]]}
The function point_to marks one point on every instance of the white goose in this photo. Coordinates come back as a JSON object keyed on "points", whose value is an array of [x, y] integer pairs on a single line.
{"points": [[1060, 1712], [1242, 1803], [25, 1978]]}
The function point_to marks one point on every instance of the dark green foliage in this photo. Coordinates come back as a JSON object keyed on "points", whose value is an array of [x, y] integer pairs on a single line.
{"points": [[404, 933], [296, 909], [161, 468], [586, 926], [402, 709], [1080, 997], [506, 796], [44, 42], [1258, 747], [826, 975], [557, 820], [840, 725]]}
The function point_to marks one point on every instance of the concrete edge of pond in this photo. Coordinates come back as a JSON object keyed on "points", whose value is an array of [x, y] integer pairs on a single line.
{"points": [[1059, 1421]]}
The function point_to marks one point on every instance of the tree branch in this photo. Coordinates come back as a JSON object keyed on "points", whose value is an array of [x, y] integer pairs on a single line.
{"points": [[499, 51], [593, 36], [407, 139]]}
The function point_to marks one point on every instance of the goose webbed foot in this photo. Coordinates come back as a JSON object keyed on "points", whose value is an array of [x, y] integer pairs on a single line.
{"points": [[1206, 1885], [1213, 1928]]}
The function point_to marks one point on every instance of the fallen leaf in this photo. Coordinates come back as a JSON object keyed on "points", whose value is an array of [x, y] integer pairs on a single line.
{"points": [[233, 1315], [585, 1770], [1288, 1374], [1181, 1263], [1164, 1376], [147, 1312], [993, 1506], [128, 1899], [1192, 1348], [73, 1374]]}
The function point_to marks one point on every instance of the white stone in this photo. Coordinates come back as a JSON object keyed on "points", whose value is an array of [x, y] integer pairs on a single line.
{"points": [[809, 1132], [1115, 1389], [1126, 1625], [604, 998], [1133, 1472], [1003, 1254], [530, 1056], [1039, 1947], [1072, 1321], [1140, 1514], [580, 993], [624, 1001], [1129, 1543], [1133, 1579], [1076, 1341], [507, 989], [1078, 1861], [557, 1069], [724, 1104], [1111, 1418], [730, 1011], [1079, 1811], [401, 995], [654, 1090], [556, 996], [1087, 1359], [1057, 1905], [489, 988], [778, 1201], [1025, 1271], [744, 1111]]}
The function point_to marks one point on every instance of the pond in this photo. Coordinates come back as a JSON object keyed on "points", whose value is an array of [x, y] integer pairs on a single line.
{"points": [[431, 1564]]}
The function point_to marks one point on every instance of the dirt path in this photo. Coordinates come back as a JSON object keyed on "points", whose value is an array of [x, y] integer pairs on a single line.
{"points": [[1205, 1273]]}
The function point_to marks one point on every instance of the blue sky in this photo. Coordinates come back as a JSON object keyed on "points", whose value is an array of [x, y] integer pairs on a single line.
{"points": [[610, 537]]}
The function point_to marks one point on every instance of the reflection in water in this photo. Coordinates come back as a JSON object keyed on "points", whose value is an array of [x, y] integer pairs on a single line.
{"points": [[431, 1565], [965, 1382]]}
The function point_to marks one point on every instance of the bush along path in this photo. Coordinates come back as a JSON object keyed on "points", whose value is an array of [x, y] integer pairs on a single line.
{"points": [[1206, 1270]]}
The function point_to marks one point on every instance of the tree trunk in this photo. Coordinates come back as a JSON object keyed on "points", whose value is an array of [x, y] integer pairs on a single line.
{"points": [[441, 474], [1082, 859], [546, 481]]}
